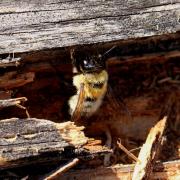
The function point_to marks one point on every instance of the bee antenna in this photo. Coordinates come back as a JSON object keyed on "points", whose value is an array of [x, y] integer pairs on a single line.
{"points": [[109, 50], [72, 55]]}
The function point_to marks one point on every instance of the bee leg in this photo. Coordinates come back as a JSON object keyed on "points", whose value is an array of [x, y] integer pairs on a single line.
{"points": [[108, 144], [77, 112]]}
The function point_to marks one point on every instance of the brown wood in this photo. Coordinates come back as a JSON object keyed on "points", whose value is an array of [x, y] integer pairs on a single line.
{"points": [[150, 151], [23, 139], [167, 170], [36, 25], [14, 79]]}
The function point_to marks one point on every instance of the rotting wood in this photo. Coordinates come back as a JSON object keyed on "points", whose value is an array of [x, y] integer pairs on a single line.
{"points": [[167, 170], [150, 151], [29, 26], [12, 79], [23, 139], [148, 104], [146, 58]]}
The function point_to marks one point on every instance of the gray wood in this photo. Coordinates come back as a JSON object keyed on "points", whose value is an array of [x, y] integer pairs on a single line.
{"points": [[36, 25], [26, 141]]}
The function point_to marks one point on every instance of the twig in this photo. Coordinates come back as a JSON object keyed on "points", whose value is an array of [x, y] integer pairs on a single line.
{"points": [[22, 107], [128, 152], [61, 170], [164, 80], [169, 80]]}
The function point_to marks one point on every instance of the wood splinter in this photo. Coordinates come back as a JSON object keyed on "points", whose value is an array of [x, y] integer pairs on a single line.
{"points": [[127, 151], [55, 174], [150, 151], [14, 102]]}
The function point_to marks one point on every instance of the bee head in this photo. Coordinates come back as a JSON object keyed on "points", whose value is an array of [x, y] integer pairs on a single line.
{"points": [[88, 63]]}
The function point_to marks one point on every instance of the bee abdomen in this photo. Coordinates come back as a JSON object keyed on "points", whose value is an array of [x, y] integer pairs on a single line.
{"points": [[90, 99], [91, 106]]}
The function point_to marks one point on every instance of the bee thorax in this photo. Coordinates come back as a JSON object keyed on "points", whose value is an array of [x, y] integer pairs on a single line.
{"points": [[95, 86]]}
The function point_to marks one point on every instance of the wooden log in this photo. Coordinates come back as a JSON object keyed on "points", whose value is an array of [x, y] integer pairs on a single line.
{"points": [[150, 151], [29, 26], [167, 170], [27, 141]]}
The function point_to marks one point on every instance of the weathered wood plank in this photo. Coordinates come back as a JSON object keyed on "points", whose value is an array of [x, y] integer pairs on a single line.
{"points": [[37, 25], [26, 141]]}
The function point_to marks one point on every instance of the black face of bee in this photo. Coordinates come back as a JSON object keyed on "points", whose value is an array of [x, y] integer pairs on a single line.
{"points": [[85, 62], [88, 63]]}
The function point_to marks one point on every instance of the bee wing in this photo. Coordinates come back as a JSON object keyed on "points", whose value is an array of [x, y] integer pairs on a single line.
{"points": [[77, 112], [117, 102]]}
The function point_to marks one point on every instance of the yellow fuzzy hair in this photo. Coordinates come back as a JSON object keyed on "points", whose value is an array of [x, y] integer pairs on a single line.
{"points": [[92, 78]]}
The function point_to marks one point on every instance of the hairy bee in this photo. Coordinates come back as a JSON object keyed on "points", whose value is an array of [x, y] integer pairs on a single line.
{"points": [[90, 79], [91, 82]]}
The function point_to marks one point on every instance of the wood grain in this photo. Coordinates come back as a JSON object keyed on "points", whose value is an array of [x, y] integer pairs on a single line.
{"points": [[37, 25], [26, 141], [150, 151]]}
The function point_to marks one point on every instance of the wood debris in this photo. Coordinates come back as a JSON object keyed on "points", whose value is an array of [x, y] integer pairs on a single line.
{"points": [[150, 151], [57, 173]]}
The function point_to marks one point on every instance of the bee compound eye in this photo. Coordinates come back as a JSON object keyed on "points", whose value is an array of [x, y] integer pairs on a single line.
{"points": [[85, 62]]}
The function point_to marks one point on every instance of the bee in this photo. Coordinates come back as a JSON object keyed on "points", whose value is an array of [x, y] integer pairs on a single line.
{"points": [[91, 82]]}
